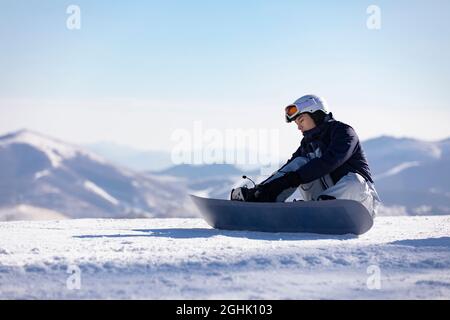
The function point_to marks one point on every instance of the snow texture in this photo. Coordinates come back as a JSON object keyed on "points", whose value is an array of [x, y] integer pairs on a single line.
{"points": [[401, 257]]}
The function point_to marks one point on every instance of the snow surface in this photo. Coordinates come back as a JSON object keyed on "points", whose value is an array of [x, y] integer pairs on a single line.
{"points": [[185, 258]]}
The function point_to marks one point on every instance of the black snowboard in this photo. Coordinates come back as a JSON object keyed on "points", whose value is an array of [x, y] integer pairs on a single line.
{"points": [[325, 217]]}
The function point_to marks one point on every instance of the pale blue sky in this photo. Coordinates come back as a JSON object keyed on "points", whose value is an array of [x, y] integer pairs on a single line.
{"points": [[138, 70]]}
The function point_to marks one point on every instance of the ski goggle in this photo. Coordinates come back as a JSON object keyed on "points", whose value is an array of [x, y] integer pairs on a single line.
{"points": [[291, 112]]}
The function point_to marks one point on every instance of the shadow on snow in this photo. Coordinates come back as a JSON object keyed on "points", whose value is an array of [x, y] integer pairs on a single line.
{"points": [[192, 233], [427, 242]]}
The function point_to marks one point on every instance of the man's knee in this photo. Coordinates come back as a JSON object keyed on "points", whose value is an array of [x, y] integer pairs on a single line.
{"points": [[348, 187]]}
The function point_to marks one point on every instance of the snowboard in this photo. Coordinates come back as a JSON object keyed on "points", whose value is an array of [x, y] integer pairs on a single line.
{"points": [[324, 217]]}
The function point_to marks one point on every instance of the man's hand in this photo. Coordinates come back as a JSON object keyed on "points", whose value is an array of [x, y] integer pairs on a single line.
{"points": [[269, 191], [243, 194]]}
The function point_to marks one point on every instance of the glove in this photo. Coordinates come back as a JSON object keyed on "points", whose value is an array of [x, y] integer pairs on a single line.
{"points": [[243, 194], [269, 191]]}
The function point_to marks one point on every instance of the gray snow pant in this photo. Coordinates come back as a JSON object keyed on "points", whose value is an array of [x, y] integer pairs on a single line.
{"points": [[352, 186]]}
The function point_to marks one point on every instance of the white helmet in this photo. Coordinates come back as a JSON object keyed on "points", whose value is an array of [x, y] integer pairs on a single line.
{"points": [[309, 103]]}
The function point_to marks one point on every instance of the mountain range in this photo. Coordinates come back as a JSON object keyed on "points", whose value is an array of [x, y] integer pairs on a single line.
{"points": [[411, 175], [42, 177], [40, 173]]}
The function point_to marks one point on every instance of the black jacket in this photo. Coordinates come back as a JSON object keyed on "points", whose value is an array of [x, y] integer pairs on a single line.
{"points": [[340, 152]]}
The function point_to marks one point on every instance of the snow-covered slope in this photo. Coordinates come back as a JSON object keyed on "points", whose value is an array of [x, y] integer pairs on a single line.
{"points": [[42, 172], [401, 257], [54, 150]]}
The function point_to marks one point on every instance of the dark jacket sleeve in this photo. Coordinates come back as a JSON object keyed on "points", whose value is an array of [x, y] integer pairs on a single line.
{"points": [[342, 146]]}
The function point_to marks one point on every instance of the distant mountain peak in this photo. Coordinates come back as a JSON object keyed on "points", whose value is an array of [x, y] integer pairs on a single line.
{"points": [[55, 149], [388, 138], [24, 134], [16, 134], [388, 144]]}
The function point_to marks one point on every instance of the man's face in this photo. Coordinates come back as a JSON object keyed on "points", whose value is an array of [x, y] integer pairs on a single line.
{"points": [[304, 122]]}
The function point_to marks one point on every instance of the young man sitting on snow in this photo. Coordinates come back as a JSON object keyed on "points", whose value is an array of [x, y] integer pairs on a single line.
{"points": [[329, 164]]}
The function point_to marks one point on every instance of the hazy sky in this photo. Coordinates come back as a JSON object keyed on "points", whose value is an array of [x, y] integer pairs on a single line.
{"points": [[138, 70]]}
